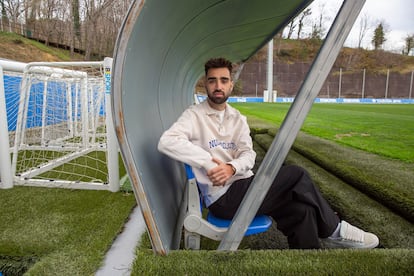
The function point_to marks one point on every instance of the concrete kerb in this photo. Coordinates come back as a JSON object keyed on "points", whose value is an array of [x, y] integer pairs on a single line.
{"points": [[120, 257]]}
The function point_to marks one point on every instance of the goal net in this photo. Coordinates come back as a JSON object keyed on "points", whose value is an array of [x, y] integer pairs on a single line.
{"points": [[62, 135]]}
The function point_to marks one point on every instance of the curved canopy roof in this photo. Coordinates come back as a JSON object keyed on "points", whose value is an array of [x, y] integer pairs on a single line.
{"points": [[159, 57]]}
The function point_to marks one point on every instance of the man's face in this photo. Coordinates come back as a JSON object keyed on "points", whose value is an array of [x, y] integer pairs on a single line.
{"points": [[218, 85]]}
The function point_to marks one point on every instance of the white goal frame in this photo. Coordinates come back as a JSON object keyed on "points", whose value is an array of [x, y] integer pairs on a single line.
{"points": [[84, 111]]}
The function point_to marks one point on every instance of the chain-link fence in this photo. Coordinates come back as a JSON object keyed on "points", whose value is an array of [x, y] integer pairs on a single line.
{"points": [[287, 79]]}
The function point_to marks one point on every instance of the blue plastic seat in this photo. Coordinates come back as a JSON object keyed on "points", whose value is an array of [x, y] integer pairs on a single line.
{"points": [[260, 224]]}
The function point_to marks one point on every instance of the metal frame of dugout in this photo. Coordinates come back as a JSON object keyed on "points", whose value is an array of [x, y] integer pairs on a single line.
{"points": [[159, 57]]}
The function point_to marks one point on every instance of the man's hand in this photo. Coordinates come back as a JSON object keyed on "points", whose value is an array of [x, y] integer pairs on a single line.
{"points": [[220, 174]]}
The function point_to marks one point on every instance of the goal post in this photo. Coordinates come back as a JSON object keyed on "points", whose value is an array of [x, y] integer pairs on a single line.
{"points": [[63, 135], [6, 180], [111, 139], [10, 75]]}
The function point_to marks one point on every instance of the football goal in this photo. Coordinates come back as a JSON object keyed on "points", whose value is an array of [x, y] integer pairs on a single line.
{"points": [[60, 126]]}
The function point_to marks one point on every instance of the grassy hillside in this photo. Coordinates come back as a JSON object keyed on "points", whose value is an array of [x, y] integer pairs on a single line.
{"points": [[18, 48], [293, 51]]}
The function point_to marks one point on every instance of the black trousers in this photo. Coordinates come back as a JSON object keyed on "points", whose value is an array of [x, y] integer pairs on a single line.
{"points": [[293, 201]]}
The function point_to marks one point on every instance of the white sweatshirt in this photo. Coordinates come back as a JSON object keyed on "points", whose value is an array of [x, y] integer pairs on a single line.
{"points": [[198, 136]]}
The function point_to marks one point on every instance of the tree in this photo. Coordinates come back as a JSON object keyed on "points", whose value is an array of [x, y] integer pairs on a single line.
{"points": [[409, 44], [302, 17], [76, 18], [291, 29], [318, 30], [363, 29], [12, 9], [75, 31], [379, 36], [3, 10]]}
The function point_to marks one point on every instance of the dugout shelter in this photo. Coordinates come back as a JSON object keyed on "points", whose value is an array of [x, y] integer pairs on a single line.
{"points": [[159, 57]]}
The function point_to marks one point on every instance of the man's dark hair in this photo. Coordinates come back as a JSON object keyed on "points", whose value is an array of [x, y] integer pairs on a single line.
{"points": [[218, 63]]}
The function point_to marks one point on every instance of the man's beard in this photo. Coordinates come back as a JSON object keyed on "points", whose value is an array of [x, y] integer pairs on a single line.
{"points": [[217, 100]]}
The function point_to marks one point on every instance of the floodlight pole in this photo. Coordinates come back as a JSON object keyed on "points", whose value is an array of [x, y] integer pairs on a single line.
{"points": [[270, 71], [292, 123]]}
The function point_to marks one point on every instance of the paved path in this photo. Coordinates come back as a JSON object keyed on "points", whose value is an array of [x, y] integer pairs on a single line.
{"points": [[119, 258]]}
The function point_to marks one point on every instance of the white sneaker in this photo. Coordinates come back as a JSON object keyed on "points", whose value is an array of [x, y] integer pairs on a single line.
{"points": [[351, 237]]}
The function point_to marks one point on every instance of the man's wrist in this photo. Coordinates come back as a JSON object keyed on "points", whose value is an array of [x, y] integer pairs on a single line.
{"points": [[233, 168]]}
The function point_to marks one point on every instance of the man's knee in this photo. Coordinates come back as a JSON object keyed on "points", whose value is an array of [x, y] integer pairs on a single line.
{"points": [[294, 176], [293, 170]]}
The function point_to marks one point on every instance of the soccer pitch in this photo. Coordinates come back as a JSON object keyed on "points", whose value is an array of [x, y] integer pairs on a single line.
{"points": [[383, 129]]}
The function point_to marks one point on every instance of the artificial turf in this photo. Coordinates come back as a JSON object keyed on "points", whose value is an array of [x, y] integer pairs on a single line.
{"points": [[276, 262], [58, 231]]}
